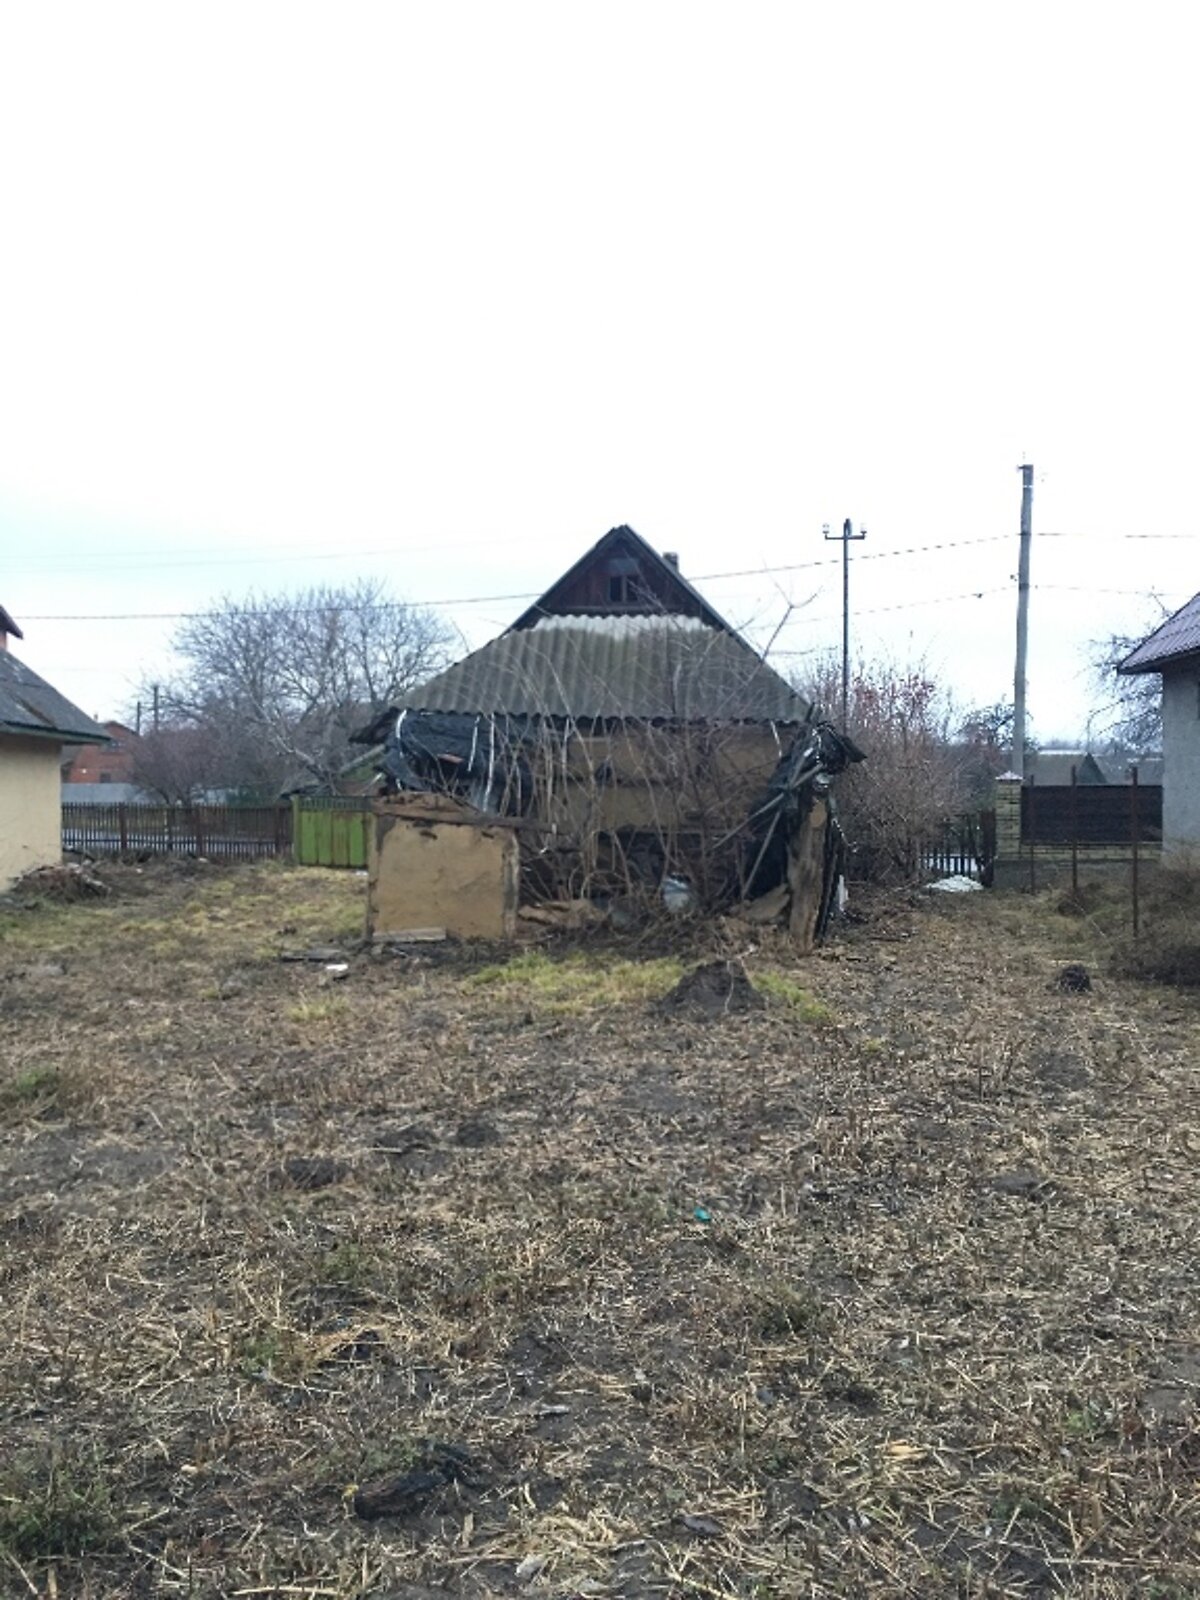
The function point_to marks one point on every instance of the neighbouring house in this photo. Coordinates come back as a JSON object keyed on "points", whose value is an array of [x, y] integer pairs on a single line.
{"points": [[36, 724], [633, 738], [1173, 651], [109, 763], [1053, 768]]}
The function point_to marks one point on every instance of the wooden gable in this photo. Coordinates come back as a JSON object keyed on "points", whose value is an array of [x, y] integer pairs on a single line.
{"points": [[621, 575]]}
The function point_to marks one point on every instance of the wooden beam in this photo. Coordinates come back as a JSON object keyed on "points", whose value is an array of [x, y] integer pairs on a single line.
{"points": [[806, 872]]}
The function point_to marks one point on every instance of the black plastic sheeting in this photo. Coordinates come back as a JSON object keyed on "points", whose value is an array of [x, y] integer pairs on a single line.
{"points": [[805, 772], [477, 758]]}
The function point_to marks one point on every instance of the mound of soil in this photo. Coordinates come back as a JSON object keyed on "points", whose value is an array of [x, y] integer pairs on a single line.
{"points": [[68, 882], [716, 989]]}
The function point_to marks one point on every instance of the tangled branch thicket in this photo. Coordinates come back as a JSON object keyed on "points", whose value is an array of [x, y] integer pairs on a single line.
{"points": [[916, 776]]}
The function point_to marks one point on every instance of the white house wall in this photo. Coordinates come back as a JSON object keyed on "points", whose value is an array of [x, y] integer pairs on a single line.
{"points": [[30, 815], [1181, 759]]}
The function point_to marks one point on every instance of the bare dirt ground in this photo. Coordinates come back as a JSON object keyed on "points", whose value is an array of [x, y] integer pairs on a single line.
{"points": [[478, 1276]]}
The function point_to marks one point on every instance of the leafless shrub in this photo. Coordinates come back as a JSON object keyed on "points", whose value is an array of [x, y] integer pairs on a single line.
{"points": [[913, 780]]}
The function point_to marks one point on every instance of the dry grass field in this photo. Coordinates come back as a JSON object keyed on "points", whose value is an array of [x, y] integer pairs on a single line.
{"points": [[478, 1274]]}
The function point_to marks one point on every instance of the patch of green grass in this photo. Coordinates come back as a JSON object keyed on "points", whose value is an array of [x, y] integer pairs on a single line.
{"points": [[266, 1351], [786, 1311], [577, 983], [39, 1091], [358, 1461], [36, 1086], [349, 1265], [1023, 1502], [308, 1012], [55, 1503], [785, 991], [1082, 1421]]}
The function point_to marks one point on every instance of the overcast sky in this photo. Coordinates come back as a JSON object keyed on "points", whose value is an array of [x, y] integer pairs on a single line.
{"points": [[439, 293]]}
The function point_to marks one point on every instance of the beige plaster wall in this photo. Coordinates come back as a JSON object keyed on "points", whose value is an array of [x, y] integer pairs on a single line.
{"points": [[662, 779], [428, 869], [30, 806]]}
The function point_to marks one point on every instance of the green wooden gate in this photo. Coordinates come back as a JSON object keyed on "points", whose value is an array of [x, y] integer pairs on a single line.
{"points": [[330, 831]]}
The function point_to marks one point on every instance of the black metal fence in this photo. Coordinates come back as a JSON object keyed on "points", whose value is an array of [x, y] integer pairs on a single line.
{"points": [[965, 848], [226, 832], [1091, 814]]}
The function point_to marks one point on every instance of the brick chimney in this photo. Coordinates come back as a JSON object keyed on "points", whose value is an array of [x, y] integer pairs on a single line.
{"points": [[7, 626]]}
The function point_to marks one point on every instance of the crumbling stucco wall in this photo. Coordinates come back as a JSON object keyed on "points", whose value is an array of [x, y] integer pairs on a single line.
{"points": [[646, 776], [436, 864]]}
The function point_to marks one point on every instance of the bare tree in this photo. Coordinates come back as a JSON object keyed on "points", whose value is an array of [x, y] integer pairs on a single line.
{"points": [[279, 682], [179, 764], [984, 747], [1128, 710], [913, 780]]}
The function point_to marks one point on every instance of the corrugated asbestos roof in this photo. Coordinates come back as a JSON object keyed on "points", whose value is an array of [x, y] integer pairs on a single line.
{"points": [[1178, 636], [643, 667], [28, 705]]}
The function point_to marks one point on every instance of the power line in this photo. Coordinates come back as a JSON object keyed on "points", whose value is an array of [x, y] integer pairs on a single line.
{"points": [[529, 594], [129, 563], [703, 577]]}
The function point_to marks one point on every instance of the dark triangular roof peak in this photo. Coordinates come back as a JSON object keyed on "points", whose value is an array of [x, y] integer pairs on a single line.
{"points": [[7, 625], [621, 575]]}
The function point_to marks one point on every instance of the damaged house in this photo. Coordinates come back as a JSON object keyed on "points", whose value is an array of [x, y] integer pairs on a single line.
{"points": [[619, 742]]}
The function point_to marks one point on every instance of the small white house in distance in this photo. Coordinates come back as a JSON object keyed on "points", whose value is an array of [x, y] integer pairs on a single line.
{"points": [[35, 723], [1174, 651]]}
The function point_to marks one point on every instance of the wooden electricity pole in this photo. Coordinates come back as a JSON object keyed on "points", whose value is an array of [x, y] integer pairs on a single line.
{"points": [[1018, 755]]}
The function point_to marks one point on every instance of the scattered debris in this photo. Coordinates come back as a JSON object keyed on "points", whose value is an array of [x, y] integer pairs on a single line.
{"points": [[716, 989], [568, 914], [319, 954], [958, 883], [474, 1132], [678, 896], [396, 1143], [1075, 979], [312, 1172], [72, 881], [1026, 1183], [702, 1527], [1174, 1394], [399, 1495], [770, 907]]}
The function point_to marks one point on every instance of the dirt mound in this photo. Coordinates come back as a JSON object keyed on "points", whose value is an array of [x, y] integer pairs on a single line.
{"points": [[69, 882], [716, 989]]}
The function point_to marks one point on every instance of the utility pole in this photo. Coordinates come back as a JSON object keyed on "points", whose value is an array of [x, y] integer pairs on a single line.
{"points": [[1018, 754], [846, 535], [155, 724]]}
